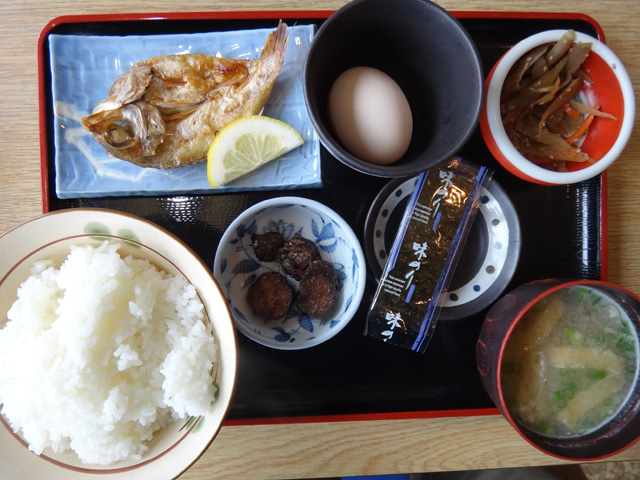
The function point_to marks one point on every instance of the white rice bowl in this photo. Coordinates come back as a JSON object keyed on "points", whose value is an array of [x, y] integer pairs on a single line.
{"points": [[115, 347], [120, 359]]}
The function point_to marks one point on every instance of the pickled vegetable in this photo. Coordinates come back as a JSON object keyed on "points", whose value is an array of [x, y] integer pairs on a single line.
{"points": [[540, 106]]}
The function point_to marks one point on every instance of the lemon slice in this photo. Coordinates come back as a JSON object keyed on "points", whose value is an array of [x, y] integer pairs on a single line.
{"points": [[246, 144]]}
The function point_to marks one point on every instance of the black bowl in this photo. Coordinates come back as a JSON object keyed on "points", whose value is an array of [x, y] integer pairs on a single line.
{"points": [[426, 51]]}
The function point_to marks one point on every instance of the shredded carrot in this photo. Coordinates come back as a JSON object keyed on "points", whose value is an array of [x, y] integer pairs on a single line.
{"points": [[582, 129], [572, 112]]}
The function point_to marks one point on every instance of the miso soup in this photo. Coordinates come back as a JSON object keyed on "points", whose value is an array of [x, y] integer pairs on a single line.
{"points": [[570, 363]]}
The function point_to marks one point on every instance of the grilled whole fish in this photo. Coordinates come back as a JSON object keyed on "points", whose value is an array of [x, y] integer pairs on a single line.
{"points": [[165, 111]]}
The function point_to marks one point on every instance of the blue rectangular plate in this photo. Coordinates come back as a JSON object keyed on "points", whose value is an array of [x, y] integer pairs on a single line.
{"points": [[83, 68]]}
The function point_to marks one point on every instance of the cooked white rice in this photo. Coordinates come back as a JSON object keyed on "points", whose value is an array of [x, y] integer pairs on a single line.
{"points": [[102, 352]]}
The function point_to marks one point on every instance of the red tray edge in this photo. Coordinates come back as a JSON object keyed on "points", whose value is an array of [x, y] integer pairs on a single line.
{"points": [[264, 14], [361, 417]]}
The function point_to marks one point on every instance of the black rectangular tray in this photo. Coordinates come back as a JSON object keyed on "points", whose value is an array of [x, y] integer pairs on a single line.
{"points": [[563, 232]]}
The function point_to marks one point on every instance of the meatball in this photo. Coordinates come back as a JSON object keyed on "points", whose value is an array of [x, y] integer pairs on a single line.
{"points": [[267, 245], [319, 288], [297, 255], [270, 296]]}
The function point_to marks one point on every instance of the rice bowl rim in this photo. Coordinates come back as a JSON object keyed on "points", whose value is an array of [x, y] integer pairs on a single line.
{"points": [[205, 284]]}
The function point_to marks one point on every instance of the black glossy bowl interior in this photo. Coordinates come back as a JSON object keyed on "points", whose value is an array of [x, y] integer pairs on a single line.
{"points": [[426, 51]]}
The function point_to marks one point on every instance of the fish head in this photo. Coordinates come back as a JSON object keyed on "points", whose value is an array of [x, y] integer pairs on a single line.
{"points": [[131, 131]]}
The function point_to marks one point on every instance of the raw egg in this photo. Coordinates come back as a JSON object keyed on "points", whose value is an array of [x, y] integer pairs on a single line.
{"points": [[370, 115]]}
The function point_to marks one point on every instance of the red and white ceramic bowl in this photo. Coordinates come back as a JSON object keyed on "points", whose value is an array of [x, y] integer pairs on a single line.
{"points": [[606, 138]]}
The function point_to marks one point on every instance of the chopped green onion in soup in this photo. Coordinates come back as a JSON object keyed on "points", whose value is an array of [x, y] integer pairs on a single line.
{"points": [[570, 363]]}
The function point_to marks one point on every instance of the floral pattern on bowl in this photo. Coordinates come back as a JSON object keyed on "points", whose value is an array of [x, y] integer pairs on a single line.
{"points": [[236, 268]]}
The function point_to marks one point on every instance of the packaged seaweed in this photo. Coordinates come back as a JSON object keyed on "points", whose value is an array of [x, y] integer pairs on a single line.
{"points": [[424, 255]]}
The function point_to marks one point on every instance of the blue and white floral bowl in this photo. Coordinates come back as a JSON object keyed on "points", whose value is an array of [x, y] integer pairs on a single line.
{"points": [[236, 268]]}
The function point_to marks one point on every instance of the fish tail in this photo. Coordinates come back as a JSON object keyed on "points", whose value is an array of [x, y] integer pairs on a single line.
{"points": [[276, 41]]}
